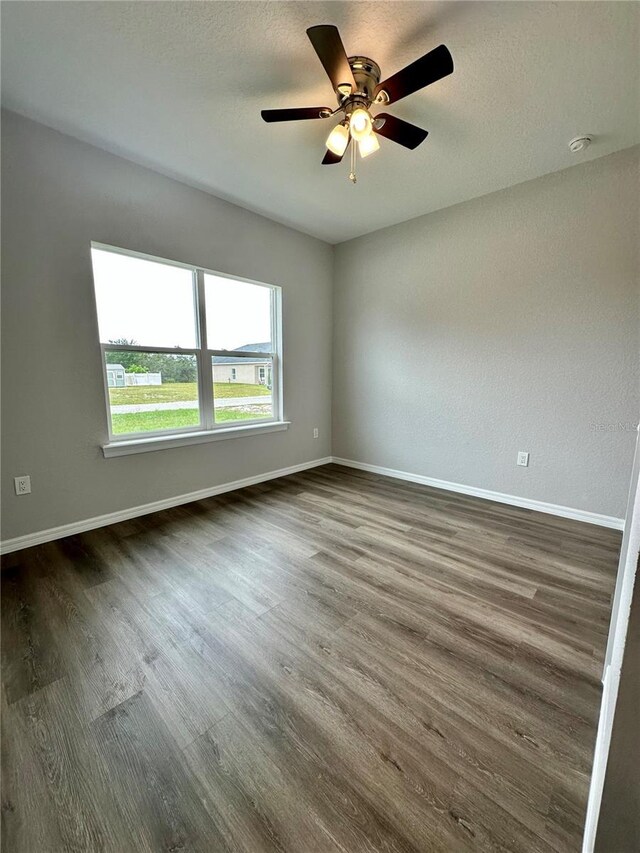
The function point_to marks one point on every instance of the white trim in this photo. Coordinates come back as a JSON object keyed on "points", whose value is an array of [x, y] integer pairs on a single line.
{"points": [[164, 442], [620, 614], [630, 540], [277, 374], [131, 253], [610, 686], [145, 348], [513, 500], [205, 368], [31, 539]]}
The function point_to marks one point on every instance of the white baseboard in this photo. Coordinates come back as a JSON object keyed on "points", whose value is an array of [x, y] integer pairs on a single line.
{"points": [[513, 500], [41, 536], [52, 533]]}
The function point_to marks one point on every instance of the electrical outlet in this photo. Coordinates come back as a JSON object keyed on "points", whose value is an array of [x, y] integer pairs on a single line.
{"points": [[523, 458], [22, 485], [315, 432]]}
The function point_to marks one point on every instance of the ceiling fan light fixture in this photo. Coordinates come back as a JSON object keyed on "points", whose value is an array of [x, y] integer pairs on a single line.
{"points": [[368, 145], [356, 83], [360, 123], [338, 139]]}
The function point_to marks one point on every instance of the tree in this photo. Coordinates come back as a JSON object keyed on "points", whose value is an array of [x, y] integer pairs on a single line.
{"points": [[127, 359]]}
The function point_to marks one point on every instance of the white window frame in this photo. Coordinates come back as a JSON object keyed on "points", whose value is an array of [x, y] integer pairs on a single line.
{"points": [[207, 428]]}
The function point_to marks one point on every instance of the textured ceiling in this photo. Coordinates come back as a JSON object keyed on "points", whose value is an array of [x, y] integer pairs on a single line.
{"points": [[179, 87]]}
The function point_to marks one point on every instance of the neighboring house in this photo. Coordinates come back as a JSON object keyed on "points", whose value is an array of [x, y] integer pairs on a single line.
{"points": [[115, 376], [249, 370]]}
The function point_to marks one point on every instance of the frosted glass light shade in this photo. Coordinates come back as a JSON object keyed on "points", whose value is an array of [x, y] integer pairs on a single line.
{"points": [[368, 145], [338, 139], [360, 124]]}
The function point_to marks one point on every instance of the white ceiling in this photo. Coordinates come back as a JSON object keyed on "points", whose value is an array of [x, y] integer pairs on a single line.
{"points": [[178, 86]]}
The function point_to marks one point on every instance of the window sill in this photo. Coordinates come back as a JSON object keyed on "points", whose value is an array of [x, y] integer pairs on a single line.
{"points": [[164, 442]]}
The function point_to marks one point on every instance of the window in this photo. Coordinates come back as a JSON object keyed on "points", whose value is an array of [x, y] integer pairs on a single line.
{"points": [[184, 349]]}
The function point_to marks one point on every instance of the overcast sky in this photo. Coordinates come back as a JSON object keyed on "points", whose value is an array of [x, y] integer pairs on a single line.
{"points": [[152, 304]]}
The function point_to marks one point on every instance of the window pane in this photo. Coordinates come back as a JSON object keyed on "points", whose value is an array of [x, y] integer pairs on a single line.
{"points": [[151, 391], [238, 315], [242, 388], [143, 302]]}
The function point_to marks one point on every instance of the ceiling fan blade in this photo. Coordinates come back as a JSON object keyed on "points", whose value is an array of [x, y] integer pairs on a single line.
{"points": [[400, 131], [330, 159], [296, 114], [326, 40], [433, 66]]}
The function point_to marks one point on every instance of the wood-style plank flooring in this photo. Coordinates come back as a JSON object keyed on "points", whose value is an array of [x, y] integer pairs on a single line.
{"points": [[333, 661]]}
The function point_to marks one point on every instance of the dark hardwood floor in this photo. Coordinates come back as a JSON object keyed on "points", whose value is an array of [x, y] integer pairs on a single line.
{"points": [[333, 661]]}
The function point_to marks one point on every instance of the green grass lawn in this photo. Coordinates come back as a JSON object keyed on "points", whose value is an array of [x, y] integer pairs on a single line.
{"points": [[179, 391], [171, 419]]}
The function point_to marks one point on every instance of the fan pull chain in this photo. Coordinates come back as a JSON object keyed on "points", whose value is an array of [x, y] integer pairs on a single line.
{"points": [[352, 174]]}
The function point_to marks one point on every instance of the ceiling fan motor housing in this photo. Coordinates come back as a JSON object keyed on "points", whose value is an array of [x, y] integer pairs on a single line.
{"points": [[366, 73]]}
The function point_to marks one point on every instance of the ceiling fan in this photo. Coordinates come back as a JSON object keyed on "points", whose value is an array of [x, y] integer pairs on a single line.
{"points": [[356, 82]]}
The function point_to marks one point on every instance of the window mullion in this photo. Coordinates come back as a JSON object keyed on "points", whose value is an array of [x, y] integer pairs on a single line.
{"points": [[205, 372], [150, 349], [276, 361], [243, 354]]}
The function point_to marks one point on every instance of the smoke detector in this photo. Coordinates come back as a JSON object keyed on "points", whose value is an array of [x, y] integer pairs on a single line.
{"points": [[580, 143]]}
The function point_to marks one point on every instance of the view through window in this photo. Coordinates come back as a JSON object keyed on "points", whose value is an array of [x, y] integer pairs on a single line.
{"points": [[184, 349]]}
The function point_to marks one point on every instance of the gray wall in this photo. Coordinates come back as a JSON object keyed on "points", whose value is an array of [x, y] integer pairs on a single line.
{"points": [[506, 323], [58, 195]]}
